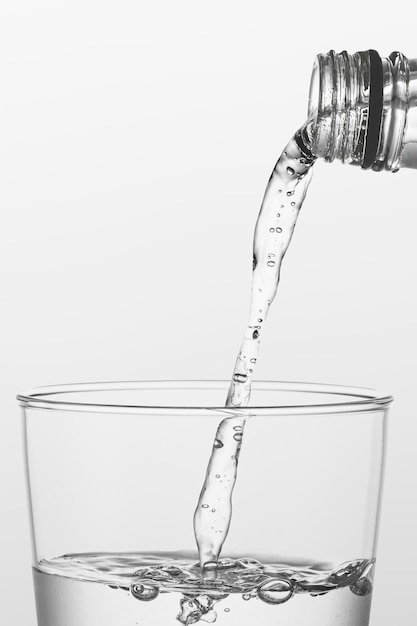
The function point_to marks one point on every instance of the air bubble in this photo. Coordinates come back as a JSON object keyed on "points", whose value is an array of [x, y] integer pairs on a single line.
{"points": [[240, 378], [204, 506], [218, 443], [347, 573], [275, 591], [237, 437], [260, 318], [226, 610], [253, 360], [246, 596], [290, 171], [279, 190], [237, 428], [291, 193], [278, 229], [210, 566], [363, 585], [255, 334], [144, 592], [217, 475], [270, 264], [272, 230], [292, 203], [213, 510]]}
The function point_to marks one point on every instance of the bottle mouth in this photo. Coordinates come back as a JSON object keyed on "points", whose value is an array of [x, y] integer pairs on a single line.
{"points": [[357, 104]]}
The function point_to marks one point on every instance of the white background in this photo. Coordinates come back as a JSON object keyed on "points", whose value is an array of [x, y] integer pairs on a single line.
{"points": [[136, 142]]}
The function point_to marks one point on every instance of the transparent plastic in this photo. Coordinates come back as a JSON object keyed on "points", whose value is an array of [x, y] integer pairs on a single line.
{"points": [[116, 469], [340, 105]]}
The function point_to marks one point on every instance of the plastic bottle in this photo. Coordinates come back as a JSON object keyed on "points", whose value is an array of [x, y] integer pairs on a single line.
{"points": [[364, 109]]}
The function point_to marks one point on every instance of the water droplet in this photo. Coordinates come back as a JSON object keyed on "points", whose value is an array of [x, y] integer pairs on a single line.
{"points": [[291, 193], [290, 171], [271, 264], [272, 230], [278, 229], [237, 428], [240, 378], [292, 203], [237, 436], [144, 592], [255, 334], [253, 360], [204, 506], [218, 443], [275, 591], [246, 596]]}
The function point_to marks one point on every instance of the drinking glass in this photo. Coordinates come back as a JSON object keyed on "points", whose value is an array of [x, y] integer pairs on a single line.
{"points": [[114, 474]]}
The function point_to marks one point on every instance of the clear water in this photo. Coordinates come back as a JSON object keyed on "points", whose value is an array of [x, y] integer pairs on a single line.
{"points": [[151, 589], [131, 589], [284, 196]]}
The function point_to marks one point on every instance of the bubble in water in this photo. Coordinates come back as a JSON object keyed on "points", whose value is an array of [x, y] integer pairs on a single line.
{"points": [[249, 563], [210, 566], [144, 592], [172, 570], [255, 334], [204, 506], [272, 230], [218, 443], [346, 573], [253, 360], [246, 596], [363, 585], [291, 193], [237, 428], [213, 510], [217, 475], [279, 190], [226, 610], [240, 378], [290, 171], [278, 229], [270, 264], [292, 203], [275, 591], [191, 611], [237, 436], [260, 318]]}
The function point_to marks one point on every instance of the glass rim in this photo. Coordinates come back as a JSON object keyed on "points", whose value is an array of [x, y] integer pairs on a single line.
{"points": [[359, 399]]}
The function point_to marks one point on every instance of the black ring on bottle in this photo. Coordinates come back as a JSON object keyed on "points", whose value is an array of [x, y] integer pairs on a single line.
{"points": [[376, 94]]}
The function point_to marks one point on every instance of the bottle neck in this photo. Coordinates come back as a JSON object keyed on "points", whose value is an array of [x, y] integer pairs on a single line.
{"points": [[363, 109]]}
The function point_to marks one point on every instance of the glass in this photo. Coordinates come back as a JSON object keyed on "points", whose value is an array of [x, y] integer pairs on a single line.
{"points": [[364, 109], [114, 474]]}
